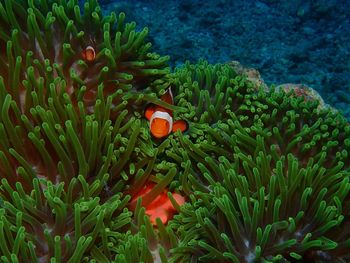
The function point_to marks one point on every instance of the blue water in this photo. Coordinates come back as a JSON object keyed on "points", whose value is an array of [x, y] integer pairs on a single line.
{"points": [[287, 41]]}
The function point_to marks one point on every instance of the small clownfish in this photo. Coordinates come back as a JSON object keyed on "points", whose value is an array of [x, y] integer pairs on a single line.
{"points": [[161, 119], [88, 54]]}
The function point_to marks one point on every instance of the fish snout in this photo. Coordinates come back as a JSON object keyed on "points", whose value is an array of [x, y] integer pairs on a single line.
{"points": [[161, 124]]}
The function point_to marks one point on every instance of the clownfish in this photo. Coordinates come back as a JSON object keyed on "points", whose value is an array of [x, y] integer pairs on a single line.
{"points": [[161, 119], [88, 54]]}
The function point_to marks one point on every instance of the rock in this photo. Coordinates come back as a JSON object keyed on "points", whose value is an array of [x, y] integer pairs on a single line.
{"points": [[309, 94], [252, 74]]}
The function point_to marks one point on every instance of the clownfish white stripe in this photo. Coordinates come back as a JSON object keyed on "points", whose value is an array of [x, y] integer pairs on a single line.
{"points": [[90, 48], [162, 115]]}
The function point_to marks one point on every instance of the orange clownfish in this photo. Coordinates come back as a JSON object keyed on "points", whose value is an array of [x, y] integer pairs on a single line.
{"points": [[161, 119], [88, 54]]}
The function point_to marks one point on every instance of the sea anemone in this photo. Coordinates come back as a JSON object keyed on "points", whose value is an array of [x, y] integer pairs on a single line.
{"points": [[71, 133], [260, 175], [268, 178]]}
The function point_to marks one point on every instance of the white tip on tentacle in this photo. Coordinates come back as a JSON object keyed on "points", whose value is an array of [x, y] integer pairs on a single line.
{"points": [[162, 115]]}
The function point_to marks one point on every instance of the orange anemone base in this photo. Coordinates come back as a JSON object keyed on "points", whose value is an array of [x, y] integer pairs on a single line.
{"points": [[161, 206]]}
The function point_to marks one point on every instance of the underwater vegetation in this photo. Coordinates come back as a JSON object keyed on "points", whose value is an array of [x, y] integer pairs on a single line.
{"points": [[260, 175]]}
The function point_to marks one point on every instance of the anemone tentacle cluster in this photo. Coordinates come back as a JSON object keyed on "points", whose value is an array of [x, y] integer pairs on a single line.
{"points": [[264, 173]]}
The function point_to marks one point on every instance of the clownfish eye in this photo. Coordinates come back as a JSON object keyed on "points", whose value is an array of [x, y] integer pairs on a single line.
{"points": [[89, 54]]}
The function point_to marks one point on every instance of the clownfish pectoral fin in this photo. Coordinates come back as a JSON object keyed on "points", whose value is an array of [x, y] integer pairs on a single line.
{"points": [[150, 109], [180, 125], [168, 97]]}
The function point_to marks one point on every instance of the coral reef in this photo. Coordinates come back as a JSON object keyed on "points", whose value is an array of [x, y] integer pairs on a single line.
{"points": [[261, 175], [287, 41]]}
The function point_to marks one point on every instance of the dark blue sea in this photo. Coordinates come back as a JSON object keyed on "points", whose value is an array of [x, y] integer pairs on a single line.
{"points": [[297, 41]]}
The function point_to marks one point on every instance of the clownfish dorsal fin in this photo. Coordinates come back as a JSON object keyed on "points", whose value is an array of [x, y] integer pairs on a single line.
{"points": [[168, 97]]}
